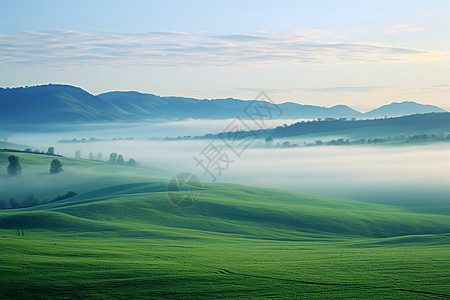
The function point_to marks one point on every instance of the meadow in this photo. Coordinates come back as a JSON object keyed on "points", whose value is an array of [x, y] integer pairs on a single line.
{"points": [[121, 237]]}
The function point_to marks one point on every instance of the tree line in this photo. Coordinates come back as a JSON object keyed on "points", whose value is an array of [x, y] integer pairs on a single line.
{"points": [[114, 158], [32, 200], [416, 138], [14, 168]]}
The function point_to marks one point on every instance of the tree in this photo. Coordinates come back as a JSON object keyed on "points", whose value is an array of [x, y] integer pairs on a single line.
{"points": [[30, 200], [69, 194], [56, 166], [78, 154], [29, 150], [120, 160], [113, 158], [269, 140], [3, 204], [132, 162], [99, 156], [13, 203], [91, 156], [51, 150], [14, 167]]}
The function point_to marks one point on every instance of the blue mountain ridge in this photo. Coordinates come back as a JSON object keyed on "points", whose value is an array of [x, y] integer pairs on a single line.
{"points": [[55, 103]]}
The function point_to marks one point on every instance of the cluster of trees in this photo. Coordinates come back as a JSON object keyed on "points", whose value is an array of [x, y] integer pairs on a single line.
{"points": [[115, 158], [50, 151], [14, 168], [426, 137], [92, 156], [99, 156], [269, 143], [379, 140], [85, 140], [32, 200]]}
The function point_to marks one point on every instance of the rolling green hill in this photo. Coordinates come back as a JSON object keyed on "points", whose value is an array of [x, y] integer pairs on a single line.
{"points": [[122, 237], [132, 199]]}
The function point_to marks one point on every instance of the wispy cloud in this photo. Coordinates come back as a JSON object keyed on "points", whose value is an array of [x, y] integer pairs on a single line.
{"points": [[333, 89], [396, 28], [71, 49], [349, 89], [345, 89], [441, 86]]}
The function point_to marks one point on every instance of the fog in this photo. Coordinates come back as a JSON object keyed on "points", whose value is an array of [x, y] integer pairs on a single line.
{"points": [[414, 174], [407, 175], [190, 127]]}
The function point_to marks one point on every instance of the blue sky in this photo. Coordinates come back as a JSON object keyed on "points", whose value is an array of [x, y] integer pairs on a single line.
{"points": [[361, 53]]}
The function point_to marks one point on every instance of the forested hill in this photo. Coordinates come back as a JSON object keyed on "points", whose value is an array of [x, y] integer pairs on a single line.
{"points": [[418, 123]]}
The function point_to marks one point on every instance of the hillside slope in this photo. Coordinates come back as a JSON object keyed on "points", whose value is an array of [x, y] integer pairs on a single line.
{"points": [[141, 205]]}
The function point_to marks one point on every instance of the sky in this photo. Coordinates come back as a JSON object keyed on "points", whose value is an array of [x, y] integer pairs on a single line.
{"points": [[360, 53]]}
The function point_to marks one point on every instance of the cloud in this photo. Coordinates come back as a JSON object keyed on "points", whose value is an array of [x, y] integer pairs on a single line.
{"points": [[443, 86], [271, 90], [344, 89], [333, 89], [65, 48], [387, 89], [241, 37], [396, 28], [367, 89]]}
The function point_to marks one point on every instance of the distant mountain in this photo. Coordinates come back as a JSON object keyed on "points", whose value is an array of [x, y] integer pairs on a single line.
{"points": [[148, 106], [151, 106], [298, 111], [56, 103], [396, 109]]}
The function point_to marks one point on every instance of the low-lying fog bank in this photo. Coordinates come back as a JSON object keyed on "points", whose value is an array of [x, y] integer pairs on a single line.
{"points": [[418, 174], [172, 129], [402, 174]]}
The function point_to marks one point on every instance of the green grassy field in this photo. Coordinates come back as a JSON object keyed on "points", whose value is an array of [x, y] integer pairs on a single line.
{"points": [[122, 238]]}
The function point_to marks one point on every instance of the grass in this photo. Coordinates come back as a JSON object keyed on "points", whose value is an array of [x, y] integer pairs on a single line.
{"points": [[44, 264], [122, 238]]}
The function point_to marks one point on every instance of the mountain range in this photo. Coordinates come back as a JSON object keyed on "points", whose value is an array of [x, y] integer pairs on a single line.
{"points": [[56, 103]]}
